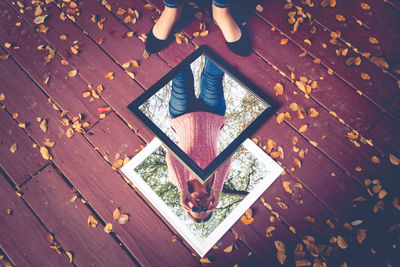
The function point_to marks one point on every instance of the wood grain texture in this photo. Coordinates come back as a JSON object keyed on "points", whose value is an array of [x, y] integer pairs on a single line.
{"points": [[93, 177], [23, 237], [26, 160], [50, 198]]}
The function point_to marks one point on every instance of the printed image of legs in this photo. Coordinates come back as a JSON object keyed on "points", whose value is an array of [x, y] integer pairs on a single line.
{"points": [[211, 88], [182, 95]]}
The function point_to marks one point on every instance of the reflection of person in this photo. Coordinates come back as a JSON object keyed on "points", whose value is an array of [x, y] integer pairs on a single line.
{"points": [[197, 124], [236, 37]]}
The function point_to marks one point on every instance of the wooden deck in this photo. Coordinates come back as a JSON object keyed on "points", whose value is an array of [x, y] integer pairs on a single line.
{"points": [[348, 182]]}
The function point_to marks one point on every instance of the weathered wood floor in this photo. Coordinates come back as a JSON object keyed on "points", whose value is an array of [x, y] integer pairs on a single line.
{"points": [[339, 115]]}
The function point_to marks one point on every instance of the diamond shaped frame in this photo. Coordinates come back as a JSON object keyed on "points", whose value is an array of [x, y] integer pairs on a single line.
{"points": [[193, 167]]}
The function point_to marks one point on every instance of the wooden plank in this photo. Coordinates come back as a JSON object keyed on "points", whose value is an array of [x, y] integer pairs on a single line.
{"points": [[26, 160], [23, 237], [92, 64], [387, 99], [144, 235], [50, 198], [104, 134], [65, 91], [387, 32]]}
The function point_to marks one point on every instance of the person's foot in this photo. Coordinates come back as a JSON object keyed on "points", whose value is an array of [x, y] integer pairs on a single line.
{"points": [[236, 38], [158, 36]]}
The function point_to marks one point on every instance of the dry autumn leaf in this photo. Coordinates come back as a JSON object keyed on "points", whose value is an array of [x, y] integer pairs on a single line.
{"points": [[280, 118], [341, 242], [70, 132], [45, 153], [13, 148], [205, 260], [275, 154], [109, 75], [108, 228], [278, 89], [269, 231], [286, 185], [394, 160], [284, 41], [117, 163], [280, 246], [340, 18], [70, 257], [365, 76], [228, 249], [43, 126], [309, 219], [361, 235], [281, 256], [259, 8], [123, 219], [303, 128], [296, 162], [373, 40], [375, 160], [116, 214], [365, 6]]}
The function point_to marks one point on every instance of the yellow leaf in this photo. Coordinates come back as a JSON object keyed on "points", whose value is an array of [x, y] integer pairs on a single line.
{"points": [[394, 160], [280, 246], [116, 214], [43, 126], [357, 61], [123, 219], [309, 219], [281, 256], [365, 76], [269, 231], [204, 33], [287, 187], [108, 228], [313, 112], [375, 159], [291, 228], [246, 221], [373, 40], [365, 6], [303, 128], [69, 255], [278, 89], [340, 17], [284, 41], [280, 117], [109, 75], [130, 74], [341, 242], [205, 260], [74, 50], [45, 153], [296, 162], [72, 73], [13, 148], [259, 8], [293, 107], [361, 235], [70, 132], [117, 163], [228, 249]]}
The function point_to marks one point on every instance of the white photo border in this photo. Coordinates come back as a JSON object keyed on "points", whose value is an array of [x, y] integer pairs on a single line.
{"points": [[201, 247]]}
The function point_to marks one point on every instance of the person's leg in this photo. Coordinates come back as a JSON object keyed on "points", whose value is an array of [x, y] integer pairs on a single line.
{"points": [[167, 19], [158, 36], [236, 37], [182, 93], [211, 88]]}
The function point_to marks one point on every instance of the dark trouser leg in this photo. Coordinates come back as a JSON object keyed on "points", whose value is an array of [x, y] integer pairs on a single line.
{"points": [[182, 94]]}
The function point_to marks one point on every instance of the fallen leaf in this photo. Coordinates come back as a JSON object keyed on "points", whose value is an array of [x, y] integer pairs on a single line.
{"points": [[340, 18], [269, 231], [365, 6], [278, 89], [280, 118], [92, 221], [117, 163], [357, 61], [375, 160], [130, 74], [259, 8], [228, 249], [48, 143], [13, 148], [394, 160], [123, 219], [382, 194], [341, 242], [70, 132], [45, 153], [43, 126], [309, 219], [303, 262], [275, 154], [280, 246], [313, 112], [282, 205], [74, 50], [73, 199], [109, 75], [303, 128], [116, 214], [284, 41], [281, 256], [108, 228], [70, 257], [286, 185], [293, 107], [361, 235], [365, 76], [72, 73], [205, 260], [373, 40], [246, 221], [296, 162], [291, 228], [15, 115], [40, 19], [204, 33]]}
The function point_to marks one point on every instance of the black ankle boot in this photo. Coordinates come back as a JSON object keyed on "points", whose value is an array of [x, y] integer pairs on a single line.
{"points": [[241, 47], [154, 45]]}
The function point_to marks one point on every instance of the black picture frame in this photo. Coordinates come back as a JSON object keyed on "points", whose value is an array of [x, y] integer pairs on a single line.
{"points": [[204, 174]]}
